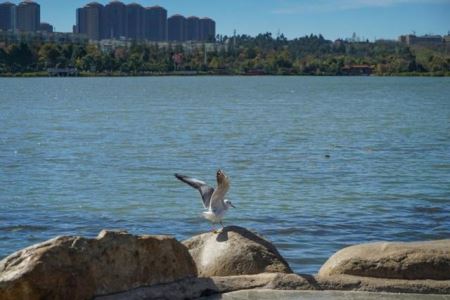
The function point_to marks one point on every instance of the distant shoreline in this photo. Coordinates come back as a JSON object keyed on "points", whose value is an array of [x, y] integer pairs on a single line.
{"points": [[245, 56]]}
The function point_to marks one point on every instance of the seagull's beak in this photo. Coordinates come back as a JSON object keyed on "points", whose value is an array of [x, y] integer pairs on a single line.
{"points": [[232, 205]]}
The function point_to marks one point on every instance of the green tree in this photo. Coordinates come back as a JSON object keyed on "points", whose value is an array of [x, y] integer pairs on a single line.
{"points": [[20, 58], [48, 55]]}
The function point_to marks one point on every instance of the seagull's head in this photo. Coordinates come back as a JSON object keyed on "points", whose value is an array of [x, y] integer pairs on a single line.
{"points": [[229, 204], [222, 178]]}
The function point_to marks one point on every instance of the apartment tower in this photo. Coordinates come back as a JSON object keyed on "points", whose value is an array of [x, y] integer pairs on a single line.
{"points": [[115, 20], [177, 28], [207, 29], [7, 16], [155, 24], [135, 18], [28, 16], [90, 21], [193, 29]]}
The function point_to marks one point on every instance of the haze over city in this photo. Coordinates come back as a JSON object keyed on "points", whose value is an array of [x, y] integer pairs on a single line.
{"points": [[334, 19]]}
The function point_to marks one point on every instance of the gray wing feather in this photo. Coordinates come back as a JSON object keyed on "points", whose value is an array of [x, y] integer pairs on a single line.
{"points": [[205, 190]]}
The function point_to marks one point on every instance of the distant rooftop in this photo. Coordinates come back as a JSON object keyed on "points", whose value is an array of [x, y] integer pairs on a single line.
{"points": [[28, 2], [93, 4], [116, 2]]}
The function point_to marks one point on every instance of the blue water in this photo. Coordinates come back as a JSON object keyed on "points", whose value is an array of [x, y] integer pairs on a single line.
{"points": [[80, 155]]}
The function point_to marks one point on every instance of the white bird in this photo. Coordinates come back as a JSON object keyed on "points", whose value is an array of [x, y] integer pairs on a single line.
{"points": [[213, 199]]}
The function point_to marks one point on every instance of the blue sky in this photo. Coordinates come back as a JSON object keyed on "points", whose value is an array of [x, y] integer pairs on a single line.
{"points": [[332, 18]]}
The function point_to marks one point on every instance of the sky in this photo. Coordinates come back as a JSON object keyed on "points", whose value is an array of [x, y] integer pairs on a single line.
{"points": [[369, 19]]}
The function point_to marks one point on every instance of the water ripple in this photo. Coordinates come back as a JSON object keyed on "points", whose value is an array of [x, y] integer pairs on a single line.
{"points": [[337, 162]]}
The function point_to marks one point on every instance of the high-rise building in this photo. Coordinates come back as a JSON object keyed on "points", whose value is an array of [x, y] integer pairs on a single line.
{"points": [[45, 27], [193, 29], [115, 20], [7, 16], [135, 21], [89, 20], [28, 16], [80, 26], [207, 29], [155, 23], [177, 28]]}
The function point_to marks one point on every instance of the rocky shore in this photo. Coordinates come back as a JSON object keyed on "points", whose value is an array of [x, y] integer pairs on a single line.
{"points": [[118, 265]]}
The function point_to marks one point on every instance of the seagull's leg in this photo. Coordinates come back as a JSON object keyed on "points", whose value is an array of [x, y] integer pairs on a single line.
{"points": [[221, 230]]}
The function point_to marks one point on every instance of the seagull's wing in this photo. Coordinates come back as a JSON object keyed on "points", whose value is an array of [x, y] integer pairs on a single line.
{"points": [[205, 190]]}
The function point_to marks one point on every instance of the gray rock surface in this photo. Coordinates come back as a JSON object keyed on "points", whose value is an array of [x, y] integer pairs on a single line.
{"points": [[234, 251], [80, 268], [270, 283], [370, 284], [192, 288], [418, 260], [320, 295]]}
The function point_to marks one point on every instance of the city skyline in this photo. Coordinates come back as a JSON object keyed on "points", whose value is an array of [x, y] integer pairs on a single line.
{"points": [[369, 19], [117, 20]]}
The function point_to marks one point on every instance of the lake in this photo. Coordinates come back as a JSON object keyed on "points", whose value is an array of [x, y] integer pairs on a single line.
{"points": [[316, 163]]}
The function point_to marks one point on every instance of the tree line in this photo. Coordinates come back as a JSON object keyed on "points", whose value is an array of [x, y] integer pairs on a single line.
{"points": [[242, 54]]}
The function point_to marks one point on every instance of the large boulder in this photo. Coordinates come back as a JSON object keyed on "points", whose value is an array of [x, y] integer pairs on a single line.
{"points": [[234, 251], [418, 260], [81, 268]]}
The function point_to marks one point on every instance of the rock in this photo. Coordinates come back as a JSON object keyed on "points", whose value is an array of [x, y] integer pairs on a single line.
{"points": [[264, 294], [234, 251], [192, 288], [293, 282], [188, 288], [274, 281], [81, 268], [419, 267], [371, 284], [418, 260]]}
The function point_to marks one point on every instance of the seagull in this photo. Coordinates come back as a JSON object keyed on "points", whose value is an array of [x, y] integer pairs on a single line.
{"points": [[213, 199]]}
